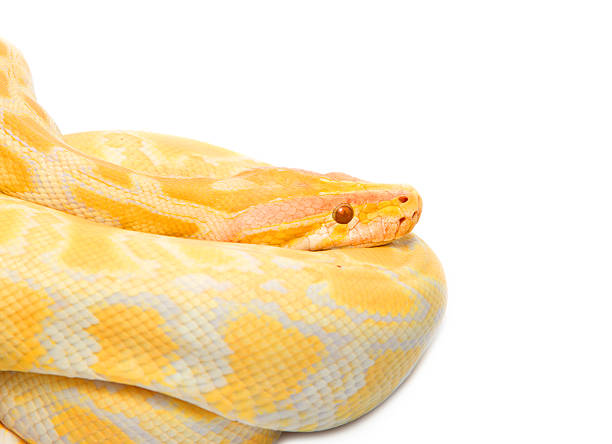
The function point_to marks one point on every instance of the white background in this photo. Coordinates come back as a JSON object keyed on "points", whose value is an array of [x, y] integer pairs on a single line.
{"points": [[499, 113]]}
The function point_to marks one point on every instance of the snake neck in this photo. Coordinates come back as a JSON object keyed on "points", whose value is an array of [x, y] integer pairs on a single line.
{"points": [[83, 186]]}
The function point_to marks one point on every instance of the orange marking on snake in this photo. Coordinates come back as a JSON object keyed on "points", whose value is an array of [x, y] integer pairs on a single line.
{"points": [[107, 257], [133, 217], [111, 173], [367, 296], [16, 173], [244, 337], [97, 430], [4, 85], [23, 311], [30, 132], [381, 376], [149, 359]]}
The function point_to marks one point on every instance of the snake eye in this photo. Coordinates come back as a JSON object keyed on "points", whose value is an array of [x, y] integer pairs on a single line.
{"points": [[343, 213]]}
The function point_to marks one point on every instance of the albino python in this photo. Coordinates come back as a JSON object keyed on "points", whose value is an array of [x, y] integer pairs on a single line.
{"points": [[144, 296]]}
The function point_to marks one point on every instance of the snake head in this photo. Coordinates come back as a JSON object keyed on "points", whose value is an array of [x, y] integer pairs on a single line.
{"points": [[311, 211]]}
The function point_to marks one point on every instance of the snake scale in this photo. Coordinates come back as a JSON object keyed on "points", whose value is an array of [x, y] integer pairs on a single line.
{"points": [[155, 289]]}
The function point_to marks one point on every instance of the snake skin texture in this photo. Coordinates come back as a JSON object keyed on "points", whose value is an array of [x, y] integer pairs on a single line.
{"points": [[144, 297]]}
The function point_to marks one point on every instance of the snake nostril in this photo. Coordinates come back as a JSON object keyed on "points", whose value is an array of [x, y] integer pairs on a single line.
{"points": [[403, 199], [402, 219]]}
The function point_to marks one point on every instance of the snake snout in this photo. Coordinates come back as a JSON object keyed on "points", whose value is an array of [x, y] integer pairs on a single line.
{"points": [[411, 205]]}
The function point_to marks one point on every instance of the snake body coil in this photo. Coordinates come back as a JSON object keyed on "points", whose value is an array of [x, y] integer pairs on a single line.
{"points": [[144, 296]]}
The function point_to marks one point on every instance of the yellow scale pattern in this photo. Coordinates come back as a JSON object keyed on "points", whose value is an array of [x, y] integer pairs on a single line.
{"points": [[115, 335]]}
